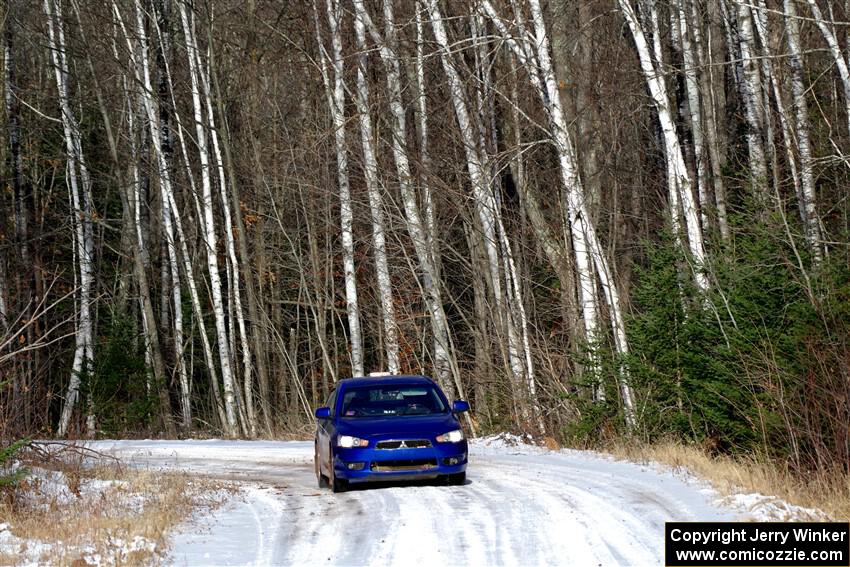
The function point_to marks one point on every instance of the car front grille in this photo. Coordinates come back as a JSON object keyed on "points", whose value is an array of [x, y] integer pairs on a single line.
{"points": [[404, 444], [404, 465]]}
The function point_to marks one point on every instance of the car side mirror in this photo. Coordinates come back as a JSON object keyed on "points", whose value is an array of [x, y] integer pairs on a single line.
{"points": [[323, 413], [460, 406]]}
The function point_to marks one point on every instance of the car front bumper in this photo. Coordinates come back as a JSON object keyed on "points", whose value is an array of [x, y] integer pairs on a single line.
{"points": [[369, 464]]}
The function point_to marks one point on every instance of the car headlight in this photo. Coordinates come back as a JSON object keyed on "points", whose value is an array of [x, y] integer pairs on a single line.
{"points": [[348, 441], [450, 437]]}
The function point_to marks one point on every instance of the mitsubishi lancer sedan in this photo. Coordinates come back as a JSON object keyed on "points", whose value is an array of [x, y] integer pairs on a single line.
{"points": [[389, 428]]}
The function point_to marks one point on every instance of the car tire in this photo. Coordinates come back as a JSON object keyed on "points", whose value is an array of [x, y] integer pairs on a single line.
{"points": [[457, 479], [320, 478], [337, 484]]}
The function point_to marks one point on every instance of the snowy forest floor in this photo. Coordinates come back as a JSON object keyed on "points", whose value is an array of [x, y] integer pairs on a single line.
{"points": [[216, 502], [76, 507]]}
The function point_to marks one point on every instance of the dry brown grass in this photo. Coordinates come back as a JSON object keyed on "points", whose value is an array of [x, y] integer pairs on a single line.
{"points": [[828, 491], [104, 510]]}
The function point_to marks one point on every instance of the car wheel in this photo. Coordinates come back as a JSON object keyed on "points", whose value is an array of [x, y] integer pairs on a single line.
{"points": [[322, 479], [336, 484], [457, 479], [340, 485]]}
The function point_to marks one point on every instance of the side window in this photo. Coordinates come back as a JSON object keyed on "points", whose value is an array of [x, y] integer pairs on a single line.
{"points": [[331, 402]]}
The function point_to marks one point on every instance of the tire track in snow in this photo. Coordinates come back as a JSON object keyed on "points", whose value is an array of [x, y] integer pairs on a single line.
{"points": [[519, 507]]}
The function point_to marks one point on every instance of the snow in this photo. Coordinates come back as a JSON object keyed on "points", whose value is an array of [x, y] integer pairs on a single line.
{"points": [[761, 508], [522, 505], [52, 489]]}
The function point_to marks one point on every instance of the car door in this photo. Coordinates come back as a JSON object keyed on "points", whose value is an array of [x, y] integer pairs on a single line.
{"points": [[324, 432]]}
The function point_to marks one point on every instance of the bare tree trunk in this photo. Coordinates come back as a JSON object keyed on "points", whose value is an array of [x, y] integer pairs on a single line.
{"points": [[443, 364], [804, 144], [376, 201], [424, 151], [141, 69], [131, 205], [209, 232], [244, 266], [761, 24], [716, 156], [679, 181], [335, 92], [751, 87], [81, 206], [577, 205], [534, 54], [835, 51], [247, 406], [688, 34], [209, 357], [483, 197], [22, 302], [484, 201]]}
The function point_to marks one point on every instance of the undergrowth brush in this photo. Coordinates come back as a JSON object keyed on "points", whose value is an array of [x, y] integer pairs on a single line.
{"points": [[826, 490], [78, 507]]}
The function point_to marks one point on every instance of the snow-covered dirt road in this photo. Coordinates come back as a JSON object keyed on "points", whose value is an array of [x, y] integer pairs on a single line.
{"points": [[520, 506]]}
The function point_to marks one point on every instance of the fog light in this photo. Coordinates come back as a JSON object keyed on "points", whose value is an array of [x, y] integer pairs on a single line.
{"points": [[355, 466], [451, 461]]}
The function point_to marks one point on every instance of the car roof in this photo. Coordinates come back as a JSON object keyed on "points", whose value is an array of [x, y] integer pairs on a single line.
{"points": [[405, 379]]}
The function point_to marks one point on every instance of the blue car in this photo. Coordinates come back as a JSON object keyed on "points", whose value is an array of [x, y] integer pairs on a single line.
{"points": [[389, 428]]}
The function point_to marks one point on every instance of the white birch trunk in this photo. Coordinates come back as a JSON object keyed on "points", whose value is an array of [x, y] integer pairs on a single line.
{"points": [[80, 188], [787, 134], [232, 263], [534, 55], [691, 69], [209, 231], [804, 144], [443, 366], [569, 173], [424, 152], [577, 205], [750, 88], [482, 195], [141, 70], [335, 91], [209, 357], [376, 201], [510, 317], [680, 184], [484, 201], [837, 55]]}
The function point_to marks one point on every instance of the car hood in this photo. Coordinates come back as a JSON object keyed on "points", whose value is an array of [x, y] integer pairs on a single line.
{"points": [[425, 426]]}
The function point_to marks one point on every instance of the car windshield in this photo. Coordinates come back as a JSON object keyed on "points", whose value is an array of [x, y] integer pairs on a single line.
{"points": [[392, 401]]}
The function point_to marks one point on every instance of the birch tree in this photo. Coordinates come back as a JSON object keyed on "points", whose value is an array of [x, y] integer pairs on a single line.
{"points": [[485, 207], [804, 144], [688, 33], [248, 413], [376, 201], [838, 56], [423, 246], [209, 232], [750, 87], [680, 184], [335, 93], [79, 184], [533, 51], [187, 258], [141, 68]]}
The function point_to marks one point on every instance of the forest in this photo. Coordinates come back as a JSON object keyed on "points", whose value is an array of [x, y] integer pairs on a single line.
{"points": [[595, 220]]}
